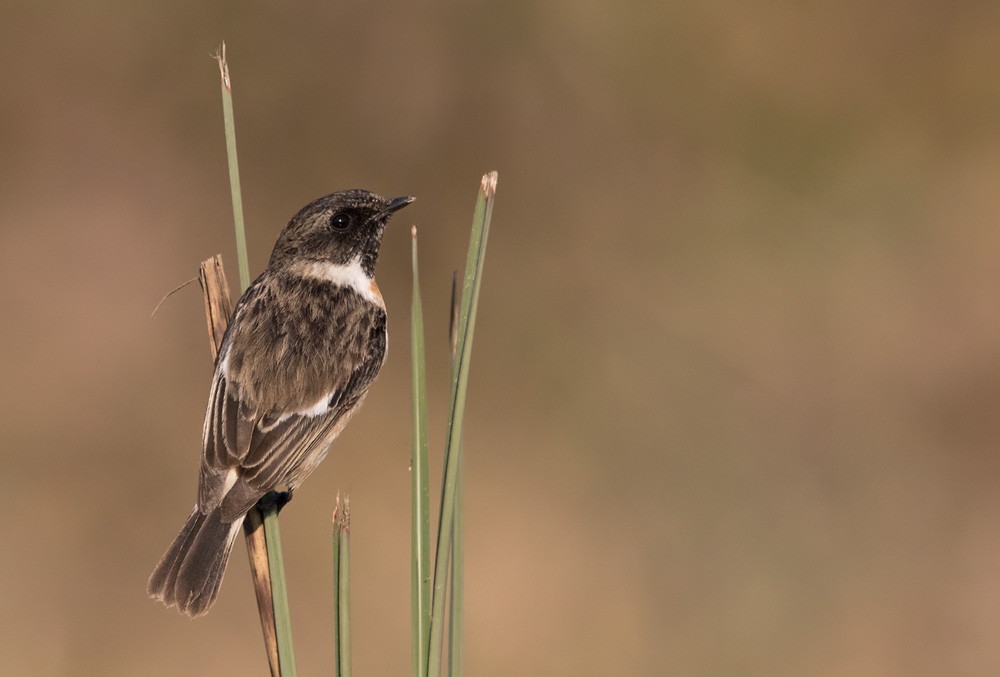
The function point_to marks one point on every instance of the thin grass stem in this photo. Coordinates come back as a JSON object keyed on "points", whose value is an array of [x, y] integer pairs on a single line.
{"points": [[343, 535], [460, 380], [456, 583], [336, 588], [268, 507], [234, 168], [276, 562], [421, 527]]}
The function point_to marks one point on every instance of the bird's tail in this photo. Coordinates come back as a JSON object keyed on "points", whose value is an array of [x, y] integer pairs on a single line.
{"points": [[190, 572]]}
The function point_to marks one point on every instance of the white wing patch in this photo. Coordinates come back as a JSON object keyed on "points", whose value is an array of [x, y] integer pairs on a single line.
{"points": [[321, 407], [317, 409], [231, 478]]}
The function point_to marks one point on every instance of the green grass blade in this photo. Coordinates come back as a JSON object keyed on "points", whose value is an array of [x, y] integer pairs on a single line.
{"points": [[336, 588], [421, 528], [460, 380], [269, 509], [276, 563], [456, 584], [342, 586], [456, 595], [234, 169]]}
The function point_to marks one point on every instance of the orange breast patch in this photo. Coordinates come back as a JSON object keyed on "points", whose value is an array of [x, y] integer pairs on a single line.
{"points": [[377, 293]]}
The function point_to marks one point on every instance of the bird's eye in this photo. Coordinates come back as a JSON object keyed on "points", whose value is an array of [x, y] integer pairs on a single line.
{"points": [[340, 220]]}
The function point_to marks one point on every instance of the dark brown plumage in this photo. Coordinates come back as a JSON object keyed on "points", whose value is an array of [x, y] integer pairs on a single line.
{"points": [[306, 341]]}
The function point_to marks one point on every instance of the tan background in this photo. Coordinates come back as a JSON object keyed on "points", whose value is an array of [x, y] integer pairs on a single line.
{"points": [[735, 391]]}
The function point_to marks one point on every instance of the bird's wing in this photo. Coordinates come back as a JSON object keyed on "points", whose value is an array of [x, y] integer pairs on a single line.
{"points": [[248, 454], [250, 450]]}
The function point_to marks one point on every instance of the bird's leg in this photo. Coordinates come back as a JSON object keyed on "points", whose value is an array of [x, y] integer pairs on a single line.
{"points": [[275, 499], [281, 499]]}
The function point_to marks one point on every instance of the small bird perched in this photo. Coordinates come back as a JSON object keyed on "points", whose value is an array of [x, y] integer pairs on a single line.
{"points": [[306, 340]]}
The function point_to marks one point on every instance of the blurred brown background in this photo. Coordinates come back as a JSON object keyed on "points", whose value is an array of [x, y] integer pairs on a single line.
{"points": [[734, 397]]}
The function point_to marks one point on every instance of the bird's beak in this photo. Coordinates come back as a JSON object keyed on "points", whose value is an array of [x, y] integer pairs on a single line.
{"points": [[397, 203]]}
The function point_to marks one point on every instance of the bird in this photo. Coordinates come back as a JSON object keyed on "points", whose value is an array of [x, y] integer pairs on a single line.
{"points": [[305, 342]]}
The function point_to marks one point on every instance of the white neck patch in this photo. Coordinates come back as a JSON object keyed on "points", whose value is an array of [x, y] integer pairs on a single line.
{"points": [[344, 274]]}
